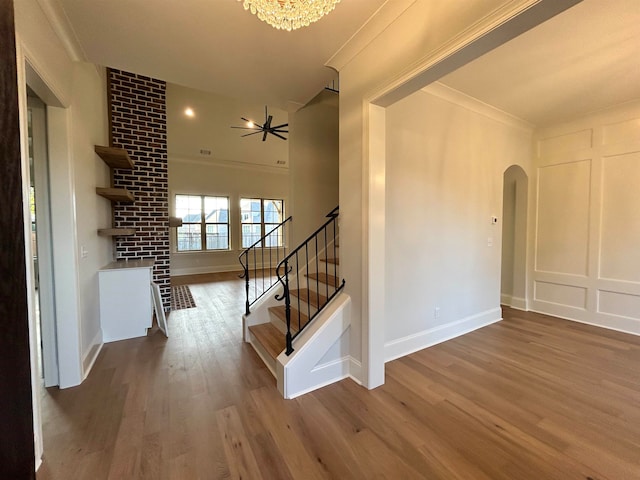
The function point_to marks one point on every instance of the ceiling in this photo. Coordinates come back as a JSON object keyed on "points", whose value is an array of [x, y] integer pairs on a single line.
{"points": [[215, 45], [583, 60]]}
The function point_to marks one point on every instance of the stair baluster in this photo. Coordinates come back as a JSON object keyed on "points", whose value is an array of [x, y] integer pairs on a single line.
{"points": [[284, 268], [266, 281]]}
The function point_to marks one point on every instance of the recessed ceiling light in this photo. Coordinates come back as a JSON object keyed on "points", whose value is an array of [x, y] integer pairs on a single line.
{"points": [[250, 124], [189, 112]]}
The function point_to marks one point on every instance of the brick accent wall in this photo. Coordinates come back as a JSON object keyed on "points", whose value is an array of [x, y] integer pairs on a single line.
{"points": [[139, 124]]}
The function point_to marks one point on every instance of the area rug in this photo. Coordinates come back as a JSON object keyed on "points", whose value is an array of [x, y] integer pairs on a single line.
{"points": [[181, 298]]}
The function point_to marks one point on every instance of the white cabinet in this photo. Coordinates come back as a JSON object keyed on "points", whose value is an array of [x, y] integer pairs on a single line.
{"points": [[125, 299]]}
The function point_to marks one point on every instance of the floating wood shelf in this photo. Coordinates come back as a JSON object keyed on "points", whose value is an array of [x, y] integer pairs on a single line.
{"points": [[116, 232], [116, 194], [114, 157]]}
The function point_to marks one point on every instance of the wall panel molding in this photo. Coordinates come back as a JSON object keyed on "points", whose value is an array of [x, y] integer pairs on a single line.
{"points": [[595, 219]]}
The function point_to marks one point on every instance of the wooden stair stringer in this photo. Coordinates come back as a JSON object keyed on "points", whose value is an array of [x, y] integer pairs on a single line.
{"points": [[308, 367]]}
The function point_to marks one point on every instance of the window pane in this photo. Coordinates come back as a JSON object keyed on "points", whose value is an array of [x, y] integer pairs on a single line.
{"points": [[250, 235], [217, 237], [273, 211], [216, 209], [189, 237], [250, 210], [275, 238], [189, 208]]}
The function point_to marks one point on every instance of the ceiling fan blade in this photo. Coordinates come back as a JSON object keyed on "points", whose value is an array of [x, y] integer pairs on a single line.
{"points": [[247, 120], [264, 137], [249, 128], [265, 114], [278, 135], [280, 126], [253, 133], [279, 130], [267, 125]]}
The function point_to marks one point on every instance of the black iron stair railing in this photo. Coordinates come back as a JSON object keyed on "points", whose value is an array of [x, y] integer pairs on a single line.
{"points": [[322, 273], [258, 263]]}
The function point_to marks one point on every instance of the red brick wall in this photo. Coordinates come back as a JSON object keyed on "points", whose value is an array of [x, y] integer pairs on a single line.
{"points": [[139, 124]]}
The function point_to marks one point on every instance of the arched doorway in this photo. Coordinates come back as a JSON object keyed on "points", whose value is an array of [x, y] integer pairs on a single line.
{"points": [[513, 287]]}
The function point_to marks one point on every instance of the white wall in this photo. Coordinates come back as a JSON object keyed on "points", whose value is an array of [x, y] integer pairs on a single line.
{"points": [[236, 167], [39, 42], [313, 155], [415, 37], [210, 129], [586, 230], [444, 172], [89, 127]]}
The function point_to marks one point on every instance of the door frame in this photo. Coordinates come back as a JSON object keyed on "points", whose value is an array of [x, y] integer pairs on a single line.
{"points": [[63, 230], [46, 287]]}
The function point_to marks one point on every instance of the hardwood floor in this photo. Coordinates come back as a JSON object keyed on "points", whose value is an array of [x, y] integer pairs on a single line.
{"points": [[531, 397]]}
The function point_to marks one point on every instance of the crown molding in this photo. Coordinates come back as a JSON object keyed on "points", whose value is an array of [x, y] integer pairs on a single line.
{"points": [[216, 162], [62, 27], [38, 78], [367, 33], [457, 97], [498, 27]]}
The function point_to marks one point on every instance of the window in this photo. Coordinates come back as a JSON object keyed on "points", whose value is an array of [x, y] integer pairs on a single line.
{"points": [[202, 217], [260, 216]]}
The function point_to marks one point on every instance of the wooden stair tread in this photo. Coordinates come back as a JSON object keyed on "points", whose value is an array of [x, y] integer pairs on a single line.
{"points": [[280, 313], [324, 278], [334, 261], [314, 300], [270, 338]]}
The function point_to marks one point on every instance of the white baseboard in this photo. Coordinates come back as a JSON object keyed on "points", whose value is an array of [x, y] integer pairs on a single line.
{"points": [[176, 272], [427, 338], [355, 371], [602, 320], [92, 354], [514, 302]]}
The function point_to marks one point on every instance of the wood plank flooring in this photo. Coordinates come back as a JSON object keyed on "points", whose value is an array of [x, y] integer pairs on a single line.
{"points": [[531, 397]]}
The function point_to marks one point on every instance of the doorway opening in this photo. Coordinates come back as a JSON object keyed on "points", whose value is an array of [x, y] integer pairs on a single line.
{"points": [[513, 285], [40, 213]]}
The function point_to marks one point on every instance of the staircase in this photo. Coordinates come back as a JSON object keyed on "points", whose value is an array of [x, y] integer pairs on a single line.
{"points": [[303, 316], [271, 337]]}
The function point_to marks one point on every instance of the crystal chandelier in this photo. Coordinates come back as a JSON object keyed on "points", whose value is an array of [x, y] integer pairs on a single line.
{"points": [[289, 14]]}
